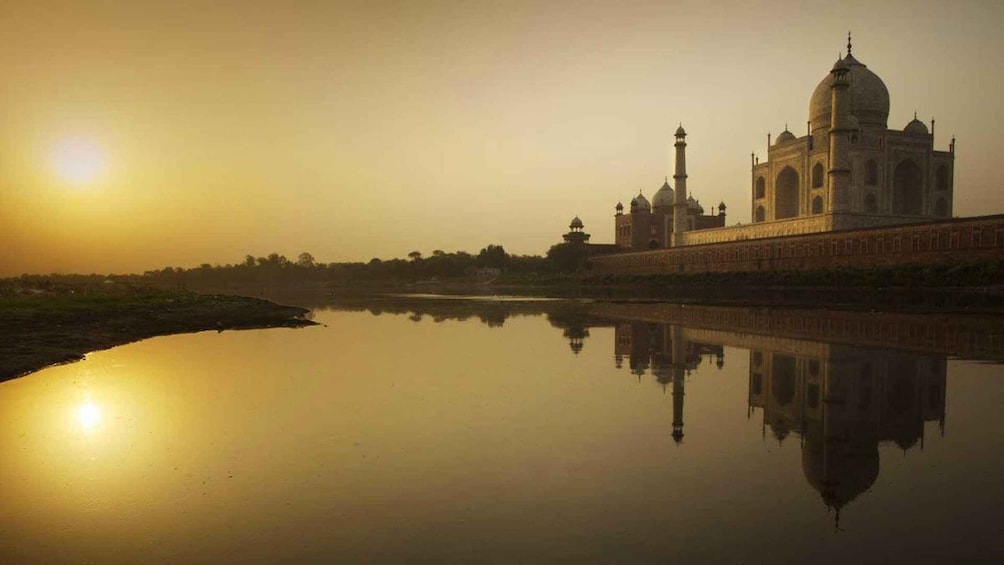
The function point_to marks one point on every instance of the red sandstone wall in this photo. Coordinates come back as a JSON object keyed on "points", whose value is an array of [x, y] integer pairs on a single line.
{"points": [[962, 240]]}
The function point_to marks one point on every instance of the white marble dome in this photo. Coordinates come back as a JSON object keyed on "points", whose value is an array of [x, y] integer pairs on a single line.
{"points": [[784, 137], [869, 97]]}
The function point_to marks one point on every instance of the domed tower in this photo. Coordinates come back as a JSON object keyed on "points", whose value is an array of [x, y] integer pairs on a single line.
{"points": [[575, 234], [680, 197]]}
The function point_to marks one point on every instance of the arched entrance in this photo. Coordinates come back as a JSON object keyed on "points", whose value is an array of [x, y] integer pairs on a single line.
{"points": [[786, 194], [907, 186]]}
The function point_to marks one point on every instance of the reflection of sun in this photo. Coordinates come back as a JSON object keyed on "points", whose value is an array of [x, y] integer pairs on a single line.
{"points": [[78, 160], [88, 415]]}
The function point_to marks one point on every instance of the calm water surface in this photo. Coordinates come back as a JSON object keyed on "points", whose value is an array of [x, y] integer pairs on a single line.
{"points": [[509, 432]]}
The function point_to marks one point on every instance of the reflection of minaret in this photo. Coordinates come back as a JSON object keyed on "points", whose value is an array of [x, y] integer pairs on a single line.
{"points": [[576, 333], [678, 376], [679, 368]]}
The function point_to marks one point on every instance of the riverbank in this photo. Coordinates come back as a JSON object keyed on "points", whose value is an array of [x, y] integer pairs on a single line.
{"points": [[42, 328]]}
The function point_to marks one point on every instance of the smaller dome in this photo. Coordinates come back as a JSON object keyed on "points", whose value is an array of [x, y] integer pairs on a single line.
{"points": [[840, 64], [721, 205], [694, 205], [639, 203], [915, 127], [576, 223], [664, 197], [785, 137], [680, 130], [619, 206]]}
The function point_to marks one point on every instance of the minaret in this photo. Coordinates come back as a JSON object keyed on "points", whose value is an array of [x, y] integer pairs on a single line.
{"points": [[841, 128], [680, 197]]}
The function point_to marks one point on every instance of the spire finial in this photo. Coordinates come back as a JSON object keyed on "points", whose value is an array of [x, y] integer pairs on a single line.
{"points": [[785, 126], [915, 114], [848, 42]]}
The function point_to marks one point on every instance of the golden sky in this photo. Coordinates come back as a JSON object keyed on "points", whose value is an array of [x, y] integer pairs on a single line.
{"points": [[136, 135]]}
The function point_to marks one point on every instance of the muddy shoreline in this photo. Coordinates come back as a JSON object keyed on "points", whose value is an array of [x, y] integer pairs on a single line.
{"points": [[40, 331]]}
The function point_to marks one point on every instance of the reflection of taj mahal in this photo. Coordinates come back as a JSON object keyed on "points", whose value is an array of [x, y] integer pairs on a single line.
{"points": [[842, 402]]}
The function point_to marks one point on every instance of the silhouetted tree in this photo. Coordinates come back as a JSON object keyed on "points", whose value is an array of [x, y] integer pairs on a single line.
{"points": [[566, 257], [493, 256], [305, 260]]}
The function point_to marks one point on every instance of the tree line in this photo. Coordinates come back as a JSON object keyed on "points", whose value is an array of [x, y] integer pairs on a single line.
{"points": [[276, 269]]}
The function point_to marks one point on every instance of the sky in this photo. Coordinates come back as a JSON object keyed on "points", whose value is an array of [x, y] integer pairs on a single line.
{"points": [[139, 135]]}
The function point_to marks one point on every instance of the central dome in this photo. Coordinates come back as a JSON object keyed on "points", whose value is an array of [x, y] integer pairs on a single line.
{"points": [[664, 196], [869, 97]]}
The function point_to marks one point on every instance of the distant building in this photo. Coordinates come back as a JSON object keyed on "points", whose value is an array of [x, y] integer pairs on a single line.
{"points": [[850, 170], [849, 193], [575, 234]]}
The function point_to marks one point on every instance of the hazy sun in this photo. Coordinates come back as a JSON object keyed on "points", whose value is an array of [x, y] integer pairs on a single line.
{"points": [[88, 415], [78, 160]]}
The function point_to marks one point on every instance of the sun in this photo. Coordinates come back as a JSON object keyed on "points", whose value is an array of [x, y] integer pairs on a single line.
{"points": [[88, 415], [78, 160]]}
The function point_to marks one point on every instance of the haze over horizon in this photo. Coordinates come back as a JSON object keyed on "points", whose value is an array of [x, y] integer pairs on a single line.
{"points": [[137, 136]]}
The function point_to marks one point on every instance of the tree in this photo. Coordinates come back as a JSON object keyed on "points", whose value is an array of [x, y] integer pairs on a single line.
{"points": [[305, 260], [493, 256], [566, 257], [415, 255]]}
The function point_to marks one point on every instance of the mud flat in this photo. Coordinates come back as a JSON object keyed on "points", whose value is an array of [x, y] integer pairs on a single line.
{"points": [[38, 330]]}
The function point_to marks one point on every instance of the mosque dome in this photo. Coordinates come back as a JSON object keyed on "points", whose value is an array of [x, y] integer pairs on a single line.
{"points": [[619, 207], [680, 130], [916, 127], [785, 137], [869, 96], [694, 205], [639, 203], [664, 197], [576, 223]]}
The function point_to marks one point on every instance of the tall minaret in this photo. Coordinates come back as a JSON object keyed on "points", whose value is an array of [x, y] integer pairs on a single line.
{"points": [[841, 128], [680, 197]]}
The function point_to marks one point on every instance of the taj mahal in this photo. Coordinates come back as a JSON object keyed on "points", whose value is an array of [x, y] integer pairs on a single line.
{"points": [[848, 172]]}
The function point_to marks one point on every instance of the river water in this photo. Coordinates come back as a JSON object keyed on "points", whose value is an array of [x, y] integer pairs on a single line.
{"points": [[510, 431]]}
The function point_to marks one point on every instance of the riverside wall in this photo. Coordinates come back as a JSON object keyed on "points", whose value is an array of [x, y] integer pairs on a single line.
{"points": [[955, 241]]}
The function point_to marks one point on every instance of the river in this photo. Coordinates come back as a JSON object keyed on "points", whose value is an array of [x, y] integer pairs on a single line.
{"points": [[431, 430]]}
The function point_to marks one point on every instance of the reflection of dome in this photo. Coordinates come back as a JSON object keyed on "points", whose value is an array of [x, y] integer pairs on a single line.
{"points": [[916, 127], [843, 472], [780, 430], [576, 223], [664, 197], [869, 97], [785, 137]]}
